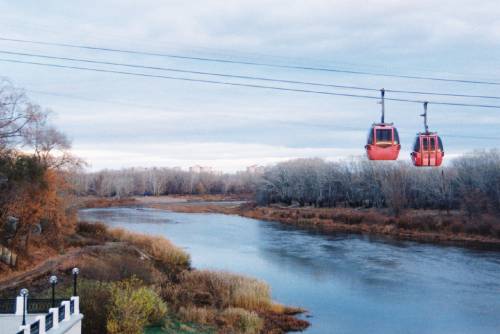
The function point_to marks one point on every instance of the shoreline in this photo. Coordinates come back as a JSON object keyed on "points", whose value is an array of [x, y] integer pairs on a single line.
{"points": [[369, 222]]}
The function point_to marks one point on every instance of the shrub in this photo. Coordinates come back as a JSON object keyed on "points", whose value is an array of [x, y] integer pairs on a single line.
{"points": [[484, 229], [471, 228], [132, 307], [199, 315], [401, 223], [496, 230], [447, 222], [350, 218], [94, 302], [323, 216], [308, 215], [456, 227], [242, 321], [96, 230]]}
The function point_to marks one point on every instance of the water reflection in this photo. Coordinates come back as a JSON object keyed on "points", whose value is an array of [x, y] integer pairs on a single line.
{"points": [[350, 283]]}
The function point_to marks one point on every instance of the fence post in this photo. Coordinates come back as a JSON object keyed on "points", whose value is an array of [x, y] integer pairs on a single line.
{"points": [[55, 316], [76, 301], [41, 318], [66, 310], [19, 305]]}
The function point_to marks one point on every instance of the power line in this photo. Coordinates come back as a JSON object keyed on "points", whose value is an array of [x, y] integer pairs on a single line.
{"points": [[234, 76], [293, 123], [228, 83], [252, 63]]}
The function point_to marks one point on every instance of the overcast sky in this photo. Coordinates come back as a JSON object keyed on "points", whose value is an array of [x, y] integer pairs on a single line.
{"points": [[121, 121]]}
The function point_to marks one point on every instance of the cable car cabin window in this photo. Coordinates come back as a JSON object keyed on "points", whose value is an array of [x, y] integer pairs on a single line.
{"points": [[440, 142], [432, 143], [384, 135], [370, 137], [416, 146], [396, 136], [425, 143]]}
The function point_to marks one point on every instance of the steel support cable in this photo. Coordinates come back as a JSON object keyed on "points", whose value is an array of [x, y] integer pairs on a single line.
{"points": [[228, 61], [228, 83]]}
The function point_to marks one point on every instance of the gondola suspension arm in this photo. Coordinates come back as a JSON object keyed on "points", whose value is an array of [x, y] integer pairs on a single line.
{"points": [[424, 115], [382, 102]]}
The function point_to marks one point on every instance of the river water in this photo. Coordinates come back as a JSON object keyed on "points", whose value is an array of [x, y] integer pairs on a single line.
{"points": [[349, 283]]}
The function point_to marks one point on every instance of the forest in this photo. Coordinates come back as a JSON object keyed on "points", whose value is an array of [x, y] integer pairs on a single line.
{"points": [[470, 183]]}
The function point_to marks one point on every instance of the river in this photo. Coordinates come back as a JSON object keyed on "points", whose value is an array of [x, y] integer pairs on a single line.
{"points": [[349, 283]]}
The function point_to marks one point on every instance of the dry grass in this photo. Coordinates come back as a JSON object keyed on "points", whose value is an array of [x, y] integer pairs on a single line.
{"points": [[199, 315], [169, 199], [239, 304], [241, 320], [100, 202], [161, 249], [222, 290], [98, 231]]}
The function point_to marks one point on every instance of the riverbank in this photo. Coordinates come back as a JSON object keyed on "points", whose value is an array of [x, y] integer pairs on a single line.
{"points": [[338, 278], [429, 226], [198, 301]]}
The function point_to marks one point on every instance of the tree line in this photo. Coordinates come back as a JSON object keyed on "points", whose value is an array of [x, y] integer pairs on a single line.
{"points": [[470, 182], [161, 181]]}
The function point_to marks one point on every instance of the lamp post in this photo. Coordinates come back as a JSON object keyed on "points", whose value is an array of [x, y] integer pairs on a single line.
{"points": [[53, 282], [24, 294], [75, 273]]}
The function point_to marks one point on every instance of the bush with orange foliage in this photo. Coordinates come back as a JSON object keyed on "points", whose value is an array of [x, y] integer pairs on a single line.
{"points": [[38, 197]]}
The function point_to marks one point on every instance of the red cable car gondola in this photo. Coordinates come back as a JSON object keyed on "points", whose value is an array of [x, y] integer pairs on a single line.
{"points": [[428, 149], [383, 138]]}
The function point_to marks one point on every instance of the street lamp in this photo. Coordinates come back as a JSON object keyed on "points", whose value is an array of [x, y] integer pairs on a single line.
{"points": [[53, 282], [75, 273], [24, 294]]}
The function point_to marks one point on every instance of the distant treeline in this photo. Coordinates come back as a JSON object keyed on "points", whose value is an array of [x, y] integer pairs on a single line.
{"points": [[162, 181], [470, 182]]}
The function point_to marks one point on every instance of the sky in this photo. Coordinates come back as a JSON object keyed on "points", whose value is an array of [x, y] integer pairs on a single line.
{"points": [[118, 121]]}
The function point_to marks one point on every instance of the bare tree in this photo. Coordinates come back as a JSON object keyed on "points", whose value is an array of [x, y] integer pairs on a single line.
{"points": [[17, 114]]}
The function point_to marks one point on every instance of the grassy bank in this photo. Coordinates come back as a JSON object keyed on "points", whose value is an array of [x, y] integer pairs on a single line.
{"points": [[430, 226], [131, 281]]}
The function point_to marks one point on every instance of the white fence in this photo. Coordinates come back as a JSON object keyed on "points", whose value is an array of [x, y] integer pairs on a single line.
{"points": [[63, 319]]}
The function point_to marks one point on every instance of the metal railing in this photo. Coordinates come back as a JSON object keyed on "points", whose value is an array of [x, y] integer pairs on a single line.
{"points": [[41, 305], [7, 306]]}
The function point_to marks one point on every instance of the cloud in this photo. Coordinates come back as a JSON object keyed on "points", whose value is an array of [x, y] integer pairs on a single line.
{"points": [[224, 156], [120, 121]]}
